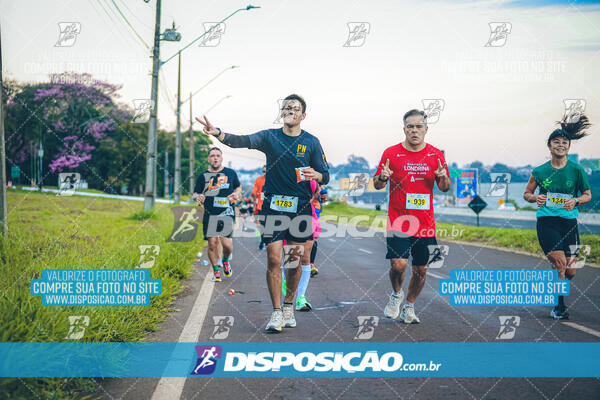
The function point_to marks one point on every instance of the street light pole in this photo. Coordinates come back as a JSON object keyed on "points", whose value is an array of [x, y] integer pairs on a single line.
{"points": [[166, 185], [192, 161], [177, 184], [3, 204], [150, 193], [41, 156]]}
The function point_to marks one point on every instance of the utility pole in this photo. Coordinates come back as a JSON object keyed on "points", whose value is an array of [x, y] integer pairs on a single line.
{"points": [[41, 156], [166, 185], [177, 187], [150, 194], [3, 205], [192, 162], [173, 36]]}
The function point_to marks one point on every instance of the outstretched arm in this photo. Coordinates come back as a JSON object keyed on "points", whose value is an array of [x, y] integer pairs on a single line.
{"points": [[235, 141]]}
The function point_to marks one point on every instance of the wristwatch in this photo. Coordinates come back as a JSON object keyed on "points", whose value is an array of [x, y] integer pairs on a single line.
{"points": [[576, 201]]}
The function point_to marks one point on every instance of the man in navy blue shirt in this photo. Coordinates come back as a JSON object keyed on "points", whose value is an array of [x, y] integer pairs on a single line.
{"points": [[216, 189], [294, 157]]}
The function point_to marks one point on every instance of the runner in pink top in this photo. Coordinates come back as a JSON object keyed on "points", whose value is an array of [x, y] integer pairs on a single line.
{"points": [[315, 219]]}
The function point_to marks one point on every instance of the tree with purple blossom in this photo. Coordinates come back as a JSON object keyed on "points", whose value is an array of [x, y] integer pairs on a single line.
{"points": [[78, 112]]}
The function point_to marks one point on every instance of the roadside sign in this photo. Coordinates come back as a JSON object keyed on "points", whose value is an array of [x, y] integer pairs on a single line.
{"points": [[477, 204], [454, 173], [466, 186], [15, 171]]}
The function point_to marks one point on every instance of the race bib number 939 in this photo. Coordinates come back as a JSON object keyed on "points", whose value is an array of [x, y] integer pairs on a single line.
{"points": [[417, 201]]}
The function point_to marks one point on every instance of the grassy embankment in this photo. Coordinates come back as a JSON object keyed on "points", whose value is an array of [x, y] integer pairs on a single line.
{"points": [[51, 232]]}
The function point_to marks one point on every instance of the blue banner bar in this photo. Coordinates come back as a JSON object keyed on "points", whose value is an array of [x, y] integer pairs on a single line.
{"points": [[299, 359]]}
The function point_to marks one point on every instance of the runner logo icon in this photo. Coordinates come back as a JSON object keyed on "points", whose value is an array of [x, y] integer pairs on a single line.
{"points": [[68, 33], [499, 32], [357, 33], [222, 326], [67, 183], [437, 255], [366, 326], [207, 359], [433, 109], [214, 31], [574, 108], [499, 184], [508, 326], [148, 255]]}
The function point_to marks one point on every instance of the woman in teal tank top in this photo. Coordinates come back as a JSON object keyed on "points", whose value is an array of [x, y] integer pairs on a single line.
{"points": [[563, 186]]}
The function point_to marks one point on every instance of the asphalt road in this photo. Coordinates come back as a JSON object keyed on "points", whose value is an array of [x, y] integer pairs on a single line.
{"points": [[353, 281]]}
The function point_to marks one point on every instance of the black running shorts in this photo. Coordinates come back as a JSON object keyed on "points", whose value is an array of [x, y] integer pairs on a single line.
{"points": [[217, 225], [557, 233], [417, 247], [294, 226]]}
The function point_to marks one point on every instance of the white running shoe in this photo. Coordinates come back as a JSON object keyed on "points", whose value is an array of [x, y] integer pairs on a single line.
{"points": [[276, 323], [392, 309], [408, 315], [288, 316]]}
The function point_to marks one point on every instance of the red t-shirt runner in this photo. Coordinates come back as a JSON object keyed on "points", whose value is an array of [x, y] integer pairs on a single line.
{"points": [[410, 207]]}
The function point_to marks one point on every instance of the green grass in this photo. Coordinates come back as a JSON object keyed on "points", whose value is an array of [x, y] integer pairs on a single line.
{"points": [[46, 232], [511, 238]]}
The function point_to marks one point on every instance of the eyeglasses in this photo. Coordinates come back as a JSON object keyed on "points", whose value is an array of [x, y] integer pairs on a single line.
{"points": [[294, 109], [418, 126]]}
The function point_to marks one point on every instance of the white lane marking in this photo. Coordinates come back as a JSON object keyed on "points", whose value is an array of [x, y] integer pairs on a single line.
{"points": [[582, 328], [436, 275], [171, 388], [365, 251], [331, 240]]}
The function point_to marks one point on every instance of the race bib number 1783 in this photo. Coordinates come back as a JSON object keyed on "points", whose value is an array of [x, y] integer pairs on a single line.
{"points": [[284, 203]]}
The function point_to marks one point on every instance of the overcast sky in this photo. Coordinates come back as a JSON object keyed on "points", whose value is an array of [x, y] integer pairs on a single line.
{"points": [[500, 101]]}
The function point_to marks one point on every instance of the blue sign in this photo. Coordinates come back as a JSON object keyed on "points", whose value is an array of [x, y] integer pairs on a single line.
{"points": [[95, 287], [504, 287], [466, 186]]}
